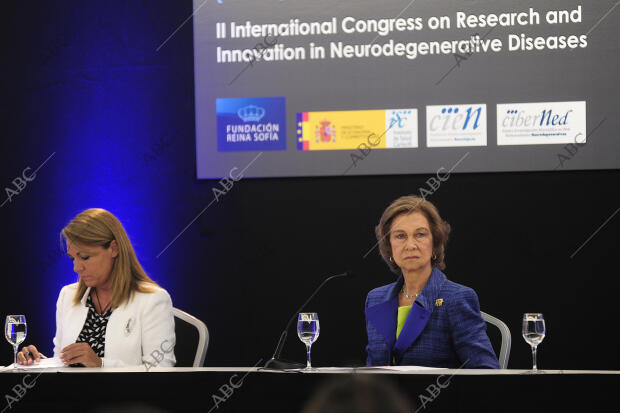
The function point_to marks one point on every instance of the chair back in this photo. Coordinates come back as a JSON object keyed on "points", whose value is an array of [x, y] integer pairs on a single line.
{"points": [[192, 339], [504, 353]]}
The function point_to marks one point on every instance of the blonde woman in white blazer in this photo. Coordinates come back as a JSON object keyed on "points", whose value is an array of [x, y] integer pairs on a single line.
{"points": [[115, 315]]}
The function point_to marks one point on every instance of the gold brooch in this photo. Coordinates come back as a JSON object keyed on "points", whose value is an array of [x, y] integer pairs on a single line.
{"points": [[439, 302]]}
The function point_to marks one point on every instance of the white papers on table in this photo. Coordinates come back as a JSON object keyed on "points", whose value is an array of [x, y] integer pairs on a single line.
{"points": [[49, 363], [402, 368]]}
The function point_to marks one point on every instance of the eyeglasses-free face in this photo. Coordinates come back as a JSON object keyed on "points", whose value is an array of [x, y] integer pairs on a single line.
{"points": [[93, 264], [411, 240]]}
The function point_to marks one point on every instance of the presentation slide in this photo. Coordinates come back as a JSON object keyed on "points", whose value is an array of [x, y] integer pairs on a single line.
{"points": [[288, 88]]}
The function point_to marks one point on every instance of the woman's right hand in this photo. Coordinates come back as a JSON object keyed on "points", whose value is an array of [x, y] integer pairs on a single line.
{"points": [[28, 355]]}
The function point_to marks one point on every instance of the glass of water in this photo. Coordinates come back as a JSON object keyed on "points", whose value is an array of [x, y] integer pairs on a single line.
{"points": [[308, 331], [533, 332], [15, 333]]}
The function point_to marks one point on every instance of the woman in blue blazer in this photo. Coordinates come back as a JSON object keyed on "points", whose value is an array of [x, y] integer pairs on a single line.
{"points": [[423, 318]]}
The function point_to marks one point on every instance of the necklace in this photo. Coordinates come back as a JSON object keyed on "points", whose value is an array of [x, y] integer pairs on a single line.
{"points": [[107, 307], [402, 291]]}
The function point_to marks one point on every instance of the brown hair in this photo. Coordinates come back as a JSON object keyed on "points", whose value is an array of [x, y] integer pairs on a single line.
{"points": [[98, 227], [359, 393], [407, 205]]}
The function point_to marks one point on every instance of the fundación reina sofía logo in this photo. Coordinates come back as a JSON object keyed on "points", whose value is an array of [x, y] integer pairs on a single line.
{"points": [[456, 125], [540, 123], [251, 113], [251, 124]]}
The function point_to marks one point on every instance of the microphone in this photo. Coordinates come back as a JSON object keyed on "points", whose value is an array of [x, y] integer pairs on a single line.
{"points": [[275, 362]]}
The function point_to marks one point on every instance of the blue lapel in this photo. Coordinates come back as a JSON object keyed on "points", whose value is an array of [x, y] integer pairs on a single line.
{"points": [[420, 313], [415, 323], [383, 315]]}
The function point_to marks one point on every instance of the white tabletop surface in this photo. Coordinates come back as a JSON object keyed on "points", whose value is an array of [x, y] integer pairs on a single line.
{"points": [[319, 370]]}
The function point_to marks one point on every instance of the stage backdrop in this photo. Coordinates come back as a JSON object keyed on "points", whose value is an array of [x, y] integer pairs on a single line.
{"points": [[358, 87], [99, 101]]}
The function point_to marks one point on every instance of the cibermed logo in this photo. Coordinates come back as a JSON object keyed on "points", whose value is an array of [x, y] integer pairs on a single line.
{"points": [[546, 117], [537, 123]]}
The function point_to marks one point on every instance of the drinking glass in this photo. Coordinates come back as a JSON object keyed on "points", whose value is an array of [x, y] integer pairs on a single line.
{"points": [[308, 331], [15, 333], [533, 332]]}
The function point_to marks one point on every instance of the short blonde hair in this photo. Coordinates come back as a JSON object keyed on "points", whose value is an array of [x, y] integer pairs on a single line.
{"points": [[98, 227], [407, 205]]}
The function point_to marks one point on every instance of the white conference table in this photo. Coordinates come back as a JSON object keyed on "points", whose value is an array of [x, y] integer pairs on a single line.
{"points": [[257, 389]]}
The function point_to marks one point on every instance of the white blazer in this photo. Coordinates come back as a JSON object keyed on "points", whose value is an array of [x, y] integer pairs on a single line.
{"points": [[138, 332]]}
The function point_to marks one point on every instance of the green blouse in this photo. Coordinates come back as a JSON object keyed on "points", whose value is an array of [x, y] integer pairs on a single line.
{"points": [[403, 312]]}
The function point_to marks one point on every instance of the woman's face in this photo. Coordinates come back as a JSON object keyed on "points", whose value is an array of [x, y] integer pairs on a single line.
{"points": [[94, 263], [411, 241]]}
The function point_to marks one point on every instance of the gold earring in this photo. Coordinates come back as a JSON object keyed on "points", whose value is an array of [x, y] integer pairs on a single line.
{"points": [[434, 256], [391, 259]]}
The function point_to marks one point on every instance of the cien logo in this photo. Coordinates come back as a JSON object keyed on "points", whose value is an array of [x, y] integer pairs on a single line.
{"points": [[451, 119], [251, 113]]}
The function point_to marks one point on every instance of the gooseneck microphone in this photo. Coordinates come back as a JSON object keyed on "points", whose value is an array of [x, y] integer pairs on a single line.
{"points": [[275, 362]]}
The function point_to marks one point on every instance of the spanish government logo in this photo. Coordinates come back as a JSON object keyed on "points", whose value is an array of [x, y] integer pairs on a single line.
{"points": [[251, 124], [351, 129], [325, 132]]}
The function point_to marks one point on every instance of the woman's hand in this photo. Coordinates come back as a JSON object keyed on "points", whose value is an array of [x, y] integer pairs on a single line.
{"points": [[28, 355], [80, 353]]}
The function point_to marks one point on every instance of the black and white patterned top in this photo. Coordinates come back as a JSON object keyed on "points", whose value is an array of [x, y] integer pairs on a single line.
{"points": [[94, 328]]}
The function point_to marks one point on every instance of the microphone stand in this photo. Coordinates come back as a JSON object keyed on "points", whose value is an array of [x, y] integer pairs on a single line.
{"points": [[275, 362]]}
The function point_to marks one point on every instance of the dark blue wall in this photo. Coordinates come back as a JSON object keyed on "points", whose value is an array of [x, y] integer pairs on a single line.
{"points": [[83, 81]]}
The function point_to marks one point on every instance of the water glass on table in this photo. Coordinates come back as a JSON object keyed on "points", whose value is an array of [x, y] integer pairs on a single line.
{"points": [[308, 330], [533, 332], [15, 333]]}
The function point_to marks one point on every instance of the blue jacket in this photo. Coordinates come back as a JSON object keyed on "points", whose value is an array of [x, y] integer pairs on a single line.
{"points": [[444, 327]]}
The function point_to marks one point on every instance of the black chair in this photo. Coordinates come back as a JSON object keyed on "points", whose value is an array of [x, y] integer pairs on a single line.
{"points": [[192, 339]]}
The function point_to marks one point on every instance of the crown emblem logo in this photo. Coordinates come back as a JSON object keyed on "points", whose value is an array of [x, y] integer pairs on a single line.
{"points": [[251, 113]]}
